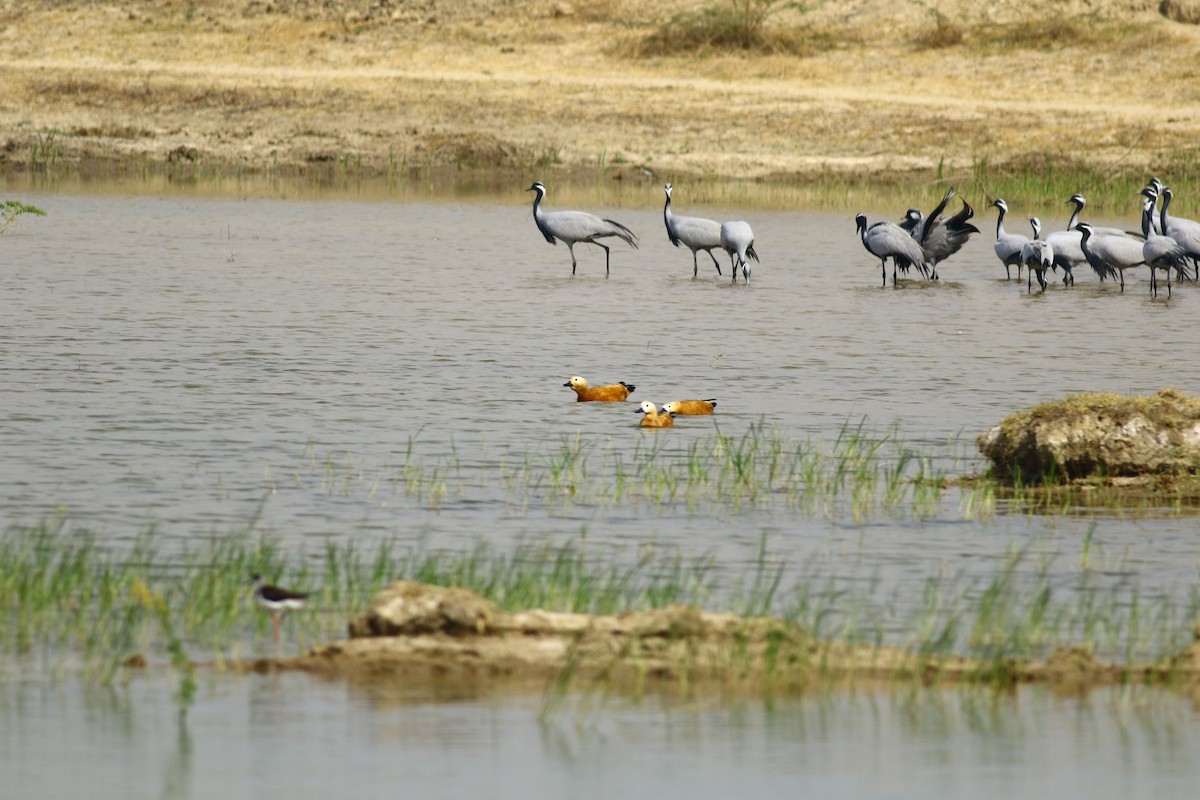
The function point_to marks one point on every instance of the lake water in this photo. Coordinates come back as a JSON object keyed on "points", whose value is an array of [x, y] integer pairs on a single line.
{"points": [[296, 736], [200, 365]]}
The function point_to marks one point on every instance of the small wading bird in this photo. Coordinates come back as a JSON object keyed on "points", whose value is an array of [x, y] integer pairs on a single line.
{"points": [[605, 394], [576, 226], [652, 419], [1112, 254], [694, 233], [737, 239], [690, 407], [886, 240], [1037, 255], [277, 601], [939, 237]]}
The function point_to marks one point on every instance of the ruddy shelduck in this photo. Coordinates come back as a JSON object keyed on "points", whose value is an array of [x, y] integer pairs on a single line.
{"points": [[605, 394], [692, 407], [652, 419]]}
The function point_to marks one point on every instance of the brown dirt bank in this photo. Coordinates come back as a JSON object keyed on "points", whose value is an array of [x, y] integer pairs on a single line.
{"points": [[383, 86], [417, 633]]}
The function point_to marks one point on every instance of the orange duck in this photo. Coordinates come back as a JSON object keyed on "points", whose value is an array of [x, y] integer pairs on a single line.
{"points": [[606, 394], [690, 407], [652, 419]]}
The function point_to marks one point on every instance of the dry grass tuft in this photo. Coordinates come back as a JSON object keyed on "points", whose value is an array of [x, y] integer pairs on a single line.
{"points": [[731, 26]]}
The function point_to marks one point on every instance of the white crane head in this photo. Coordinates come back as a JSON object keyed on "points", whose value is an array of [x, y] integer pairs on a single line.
{"points": [[1156, 184], [1078, 200], [1036, 224], [861, 222], [1000, 204], [1150, 192], [668, 188], [1084, 228], [538, 187], [914, 214]]}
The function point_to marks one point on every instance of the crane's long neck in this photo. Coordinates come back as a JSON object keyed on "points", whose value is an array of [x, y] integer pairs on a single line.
{"points": [[1074, 217], [537, 202], [1000, 222], [1163, 221], [1147, 217]]}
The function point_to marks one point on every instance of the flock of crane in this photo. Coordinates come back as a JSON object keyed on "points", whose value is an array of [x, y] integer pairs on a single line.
{"points": [[1164, 243], [921, 242]]}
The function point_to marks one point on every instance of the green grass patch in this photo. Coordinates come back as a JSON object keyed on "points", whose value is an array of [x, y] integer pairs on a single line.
{"points": [[71, 605]]}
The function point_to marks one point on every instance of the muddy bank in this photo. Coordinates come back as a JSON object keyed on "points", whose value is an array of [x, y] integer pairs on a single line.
{"points": [[416, 633], [385, 87]]}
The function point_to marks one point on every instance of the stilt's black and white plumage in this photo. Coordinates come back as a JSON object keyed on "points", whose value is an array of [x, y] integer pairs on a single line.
{"points": [[576, 226], [277, 601], [694, 233]]}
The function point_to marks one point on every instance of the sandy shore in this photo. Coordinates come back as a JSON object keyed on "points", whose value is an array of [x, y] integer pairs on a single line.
{"points": [[536, 86]]}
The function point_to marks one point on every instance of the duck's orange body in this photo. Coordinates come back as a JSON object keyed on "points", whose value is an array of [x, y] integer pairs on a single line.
{"points": [[652, 419], [690, 407], [613, 392]]}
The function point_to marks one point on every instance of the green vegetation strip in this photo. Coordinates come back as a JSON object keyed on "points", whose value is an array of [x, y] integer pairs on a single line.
{"points": [[70, 605]]}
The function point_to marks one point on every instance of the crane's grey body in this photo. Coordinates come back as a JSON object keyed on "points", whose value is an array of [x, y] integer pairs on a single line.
{"points": [[737, 239], [1184, 231], [1008, 245], [1037, 256], [886, 240], [1160, 251], [1111, 254], [1068, 244], [938, 236], [576, 226], [694, 233]]}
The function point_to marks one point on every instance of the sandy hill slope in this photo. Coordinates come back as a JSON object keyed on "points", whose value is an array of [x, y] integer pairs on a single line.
{"points": [[873, 86]]}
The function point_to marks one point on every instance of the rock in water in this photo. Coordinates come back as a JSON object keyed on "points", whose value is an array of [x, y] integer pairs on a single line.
{"points": [[1097, 435]]}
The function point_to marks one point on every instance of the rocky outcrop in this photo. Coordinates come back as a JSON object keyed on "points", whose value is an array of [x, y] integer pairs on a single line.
{"points": [[1098, 435], [409, 608]]}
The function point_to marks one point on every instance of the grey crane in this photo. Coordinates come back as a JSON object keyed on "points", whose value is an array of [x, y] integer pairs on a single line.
{"points": [[1184, 231], [576, 226], [1068, 244], [737, 239], [886, 240], [694, 233], [938, 236], [1037, 255], [1008, 245], [1160, 251], [1109, 254]]}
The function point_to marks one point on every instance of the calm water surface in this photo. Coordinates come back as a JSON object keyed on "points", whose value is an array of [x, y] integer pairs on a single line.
{"points": [[199, 366], [196, 365], [296, 736]]}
